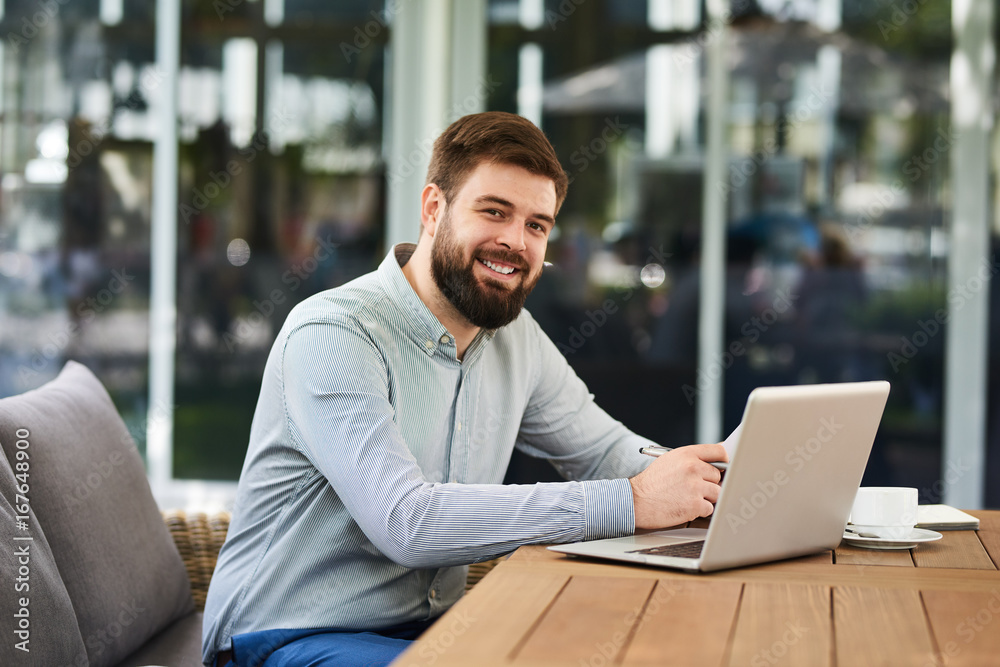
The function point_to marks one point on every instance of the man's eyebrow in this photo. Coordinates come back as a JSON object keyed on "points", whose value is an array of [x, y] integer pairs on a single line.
{"points": [[494, 199]]}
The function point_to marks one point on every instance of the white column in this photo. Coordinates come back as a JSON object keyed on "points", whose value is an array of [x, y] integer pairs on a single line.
{"points": [[417, 101], [672, 100], [661, 124], [6, 128], [469, 84], [673, 14], [969, 268], [111, 12], [711, 318], [163, 251], [828, 65], [274, 12], [529, 82], [829, 14]]}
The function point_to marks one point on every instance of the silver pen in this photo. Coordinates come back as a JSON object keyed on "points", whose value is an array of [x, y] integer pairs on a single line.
{"points": [[657, 450]]}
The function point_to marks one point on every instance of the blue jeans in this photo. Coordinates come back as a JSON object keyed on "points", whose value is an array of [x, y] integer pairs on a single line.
{"points": [[318, 647]]}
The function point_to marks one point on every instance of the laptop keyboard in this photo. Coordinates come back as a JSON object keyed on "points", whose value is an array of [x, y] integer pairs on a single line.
{"points": [[683, 550]]}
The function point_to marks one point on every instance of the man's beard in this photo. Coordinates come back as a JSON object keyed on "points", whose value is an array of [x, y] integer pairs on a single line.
{"points": [[486, 304]]}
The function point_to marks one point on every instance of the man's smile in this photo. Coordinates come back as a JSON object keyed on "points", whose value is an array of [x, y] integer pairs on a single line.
{"points": [[498, 267]]}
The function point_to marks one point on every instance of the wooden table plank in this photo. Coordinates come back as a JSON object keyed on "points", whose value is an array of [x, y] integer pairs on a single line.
{"points": [[958, 549], [789, 572], [535, 553], [490, 620], [782, 623], [848, 555], [879, 626], [685, 623], [822, 558], [989, 533], [926, 615], [591, 620], [963, 623]]}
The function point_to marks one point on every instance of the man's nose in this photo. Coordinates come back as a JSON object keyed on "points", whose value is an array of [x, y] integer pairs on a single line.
{"points": [[512, 236]]}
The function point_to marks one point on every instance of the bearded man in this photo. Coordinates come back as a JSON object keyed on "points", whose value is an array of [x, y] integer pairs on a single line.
{"points": [[388, 412]]}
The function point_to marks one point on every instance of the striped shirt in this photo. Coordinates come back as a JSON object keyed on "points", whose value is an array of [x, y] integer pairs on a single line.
{"points": [[374, 468]]}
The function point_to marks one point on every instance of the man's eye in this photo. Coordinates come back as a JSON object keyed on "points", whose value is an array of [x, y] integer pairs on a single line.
{"points": [[536, 225], [494, 212]]}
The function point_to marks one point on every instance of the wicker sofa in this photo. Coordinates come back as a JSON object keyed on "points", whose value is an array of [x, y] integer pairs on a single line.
{"points": [[100, 576], [199, 536]]}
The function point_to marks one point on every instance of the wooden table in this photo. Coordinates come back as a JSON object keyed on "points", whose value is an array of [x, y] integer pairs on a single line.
{"points": [[936, 604]]}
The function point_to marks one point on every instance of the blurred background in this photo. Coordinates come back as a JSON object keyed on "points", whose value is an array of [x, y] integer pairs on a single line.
{"points": [[762, 192]]}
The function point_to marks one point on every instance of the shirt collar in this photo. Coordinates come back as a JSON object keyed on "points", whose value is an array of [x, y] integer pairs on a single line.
{"points": [[425, 330]]}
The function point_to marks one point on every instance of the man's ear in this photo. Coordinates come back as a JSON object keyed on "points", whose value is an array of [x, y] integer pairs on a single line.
{"points": [[432, 205]]}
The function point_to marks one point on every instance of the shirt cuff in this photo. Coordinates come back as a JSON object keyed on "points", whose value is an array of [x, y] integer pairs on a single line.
{"points": [[608, 509]]}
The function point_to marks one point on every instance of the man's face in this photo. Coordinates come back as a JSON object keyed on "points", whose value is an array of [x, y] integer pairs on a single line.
{"points": [[489, 245]]}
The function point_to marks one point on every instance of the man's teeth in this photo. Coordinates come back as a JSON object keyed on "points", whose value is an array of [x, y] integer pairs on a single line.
{"points": [[496, 267]]}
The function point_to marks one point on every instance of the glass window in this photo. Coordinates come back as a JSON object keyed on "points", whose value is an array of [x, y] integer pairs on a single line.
{"points": [[75, 181], [993, 393], [837, 149], [281, 196], [839, 142], [624, 112], [837, 179]]}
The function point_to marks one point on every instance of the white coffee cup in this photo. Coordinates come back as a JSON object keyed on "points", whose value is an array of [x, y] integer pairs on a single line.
{"points": [[887, 511]]}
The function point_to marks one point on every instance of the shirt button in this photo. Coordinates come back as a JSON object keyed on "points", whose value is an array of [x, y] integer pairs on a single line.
{"points": [[445, 338], [429, 344], [434, 594], [458, 426]]}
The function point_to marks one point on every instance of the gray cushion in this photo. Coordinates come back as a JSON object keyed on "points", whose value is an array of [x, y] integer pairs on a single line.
{"points": [[177, 646], [89, 492], [53, 637]]}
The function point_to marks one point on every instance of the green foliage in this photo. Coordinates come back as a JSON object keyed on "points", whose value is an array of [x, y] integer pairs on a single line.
{"points": [[915, 28], [899, 312]]}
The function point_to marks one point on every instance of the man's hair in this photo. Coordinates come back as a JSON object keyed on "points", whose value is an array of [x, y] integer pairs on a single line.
{"points": [[497, 137]]}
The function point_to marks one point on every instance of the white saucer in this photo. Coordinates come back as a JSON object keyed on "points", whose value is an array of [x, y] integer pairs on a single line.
{"points": [[913, 539]]}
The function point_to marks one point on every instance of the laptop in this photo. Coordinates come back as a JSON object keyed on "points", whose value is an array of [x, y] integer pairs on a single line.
{"points": [[796, 462]]}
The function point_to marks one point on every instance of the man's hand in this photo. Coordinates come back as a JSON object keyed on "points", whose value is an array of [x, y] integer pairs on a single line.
{"points": [[677, 487]]}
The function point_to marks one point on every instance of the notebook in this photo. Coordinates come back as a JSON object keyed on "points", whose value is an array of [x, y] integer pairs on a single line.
{"points": [[945, 517], [797, 462]]}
